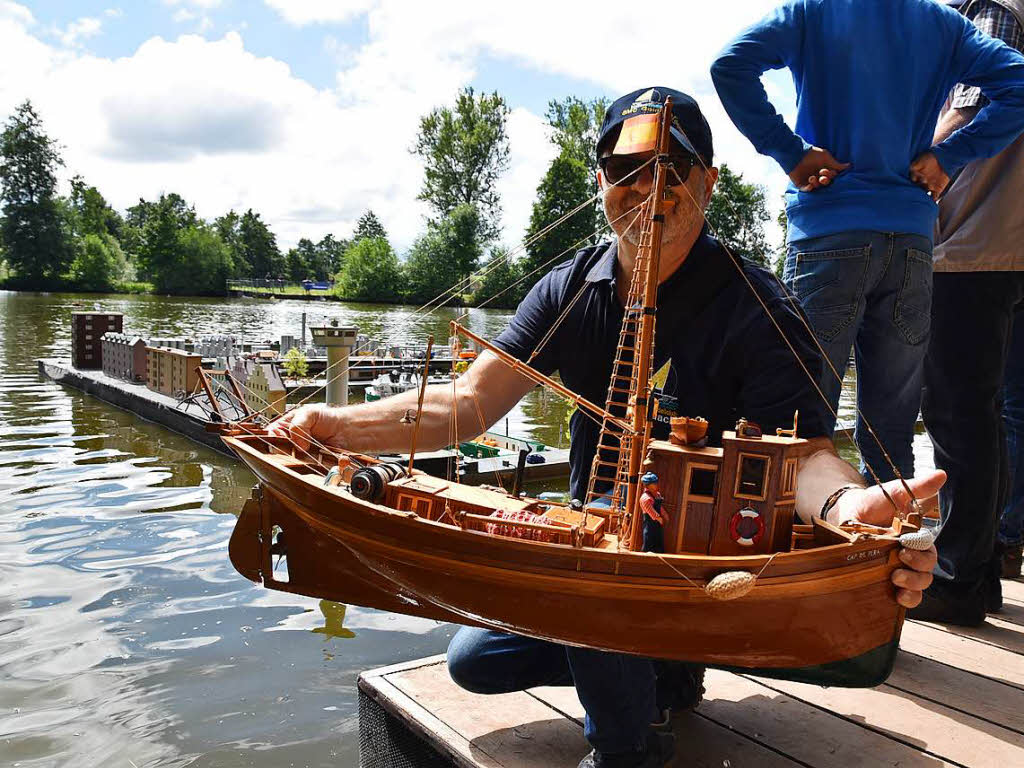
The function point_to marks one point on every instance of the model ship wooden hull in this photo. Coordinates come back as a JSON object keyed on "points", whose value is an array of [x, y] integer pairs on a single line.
{"points": [[810, 612]]}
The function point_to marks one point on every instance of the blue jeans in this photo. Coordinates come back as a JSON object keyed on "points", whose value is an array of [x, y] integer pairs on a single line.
{"points": [[1011, 526], [872, 292], [617, 691]]}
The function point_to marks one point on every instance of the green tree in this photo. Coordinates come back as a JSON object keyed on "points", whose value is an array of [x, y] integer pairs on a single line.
{"points": [[370, 272], [99, 263], [203, 262], [564, 187], [783, 223], [497, 286], [296, 265], [295, 364], [331, 255], [228, 229], [314, 259], [574, 127], [92, 214], [158, 254], [34, 232], [737, 214], [259, 247], [369, 226], [465, 150], [132, 233], [444, 256]]}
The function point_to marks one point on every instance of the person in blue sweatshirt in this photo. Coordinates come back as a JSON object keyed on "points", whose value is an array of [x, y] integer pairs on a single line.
{"points": [[871, 77]]}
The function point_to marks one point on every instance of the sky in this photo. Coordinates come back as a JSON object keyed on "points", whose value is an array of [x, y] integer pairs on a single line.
{"points": [[305, 110]]}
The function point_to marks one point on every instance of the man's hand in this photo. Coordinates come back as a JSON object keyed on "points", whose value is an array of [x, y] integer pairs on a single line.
{"points": [[869, 505], [320, 423], [927, 173], [817, 169]]}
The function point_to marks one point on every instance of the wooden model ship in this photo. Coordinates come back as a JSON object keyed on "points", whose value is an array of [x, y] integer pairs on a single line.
{"points": [[740, 585]]}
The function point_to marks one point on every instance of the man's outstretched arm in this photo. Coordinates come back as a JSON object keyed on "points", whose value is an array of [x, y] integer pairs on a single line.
{"points": [[483, 394], [824, 471]]}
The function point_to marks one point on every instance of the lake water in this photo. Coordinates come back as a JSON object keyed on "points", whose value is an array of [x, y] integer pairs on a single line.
{"points": [[126, 637]]}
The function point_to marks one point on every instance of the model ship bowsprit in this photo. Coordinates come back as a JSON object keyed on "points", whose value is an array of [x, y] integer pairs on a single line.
{"points": [[741, 585]]}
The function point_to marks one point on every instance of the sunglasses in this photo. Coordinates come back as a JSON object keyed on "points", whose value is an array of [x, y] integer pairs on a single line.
{"points": [[618, 168]]}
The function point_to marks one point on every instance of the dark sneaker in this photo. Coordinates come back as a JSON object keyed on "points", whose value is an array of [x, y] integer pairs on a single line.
{"points": [[951, 605], [660, 749], [680, 685], [1011, 561], [993, 585]]}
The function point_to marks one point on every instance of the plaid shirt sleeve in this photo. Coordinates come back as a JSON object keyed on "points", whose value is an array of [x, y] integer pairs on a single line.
{"points": [[995, 21]]}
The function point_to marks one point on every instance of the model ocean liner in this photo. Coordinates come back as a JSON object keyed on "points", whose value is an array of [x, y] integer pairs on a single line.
{"points": [[741, 583]]}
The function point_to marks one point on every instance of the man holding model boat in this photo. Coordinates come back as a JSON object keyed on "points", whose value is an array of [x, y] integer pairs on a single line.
{"points": [[721, 324]]}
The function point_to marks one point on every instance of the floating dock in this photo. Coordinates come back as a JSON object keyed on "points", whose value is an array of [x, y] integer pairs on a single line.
{"points": [[956, 697], [192, 422]]}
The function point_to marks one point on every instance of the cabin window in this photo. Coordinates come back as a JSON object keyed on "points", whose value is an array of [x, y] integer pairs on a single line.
{"points": [[789, 477], [405, 502], [752, 476], [702, 483]]}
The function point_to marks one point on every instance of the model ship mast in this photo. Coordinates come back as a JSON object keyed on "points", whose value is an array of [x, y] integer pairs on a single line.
{"points": [[630, 391]]}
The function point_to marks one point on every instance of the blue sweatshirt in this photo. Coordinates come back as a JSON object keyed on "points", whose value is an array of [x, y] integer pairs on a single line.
{"points": [[871, 77]]}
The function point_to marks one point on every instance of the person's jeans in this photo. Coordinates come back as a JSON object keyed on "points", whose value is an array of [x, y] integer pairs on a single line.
{"points": [[1011, 526], [871, 291], [972, 321], [617, 691]]}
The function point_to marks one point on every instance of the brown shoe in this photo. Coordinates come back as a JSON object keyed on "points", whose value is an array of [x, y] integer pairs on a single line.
{"points": [[1012, 558]]}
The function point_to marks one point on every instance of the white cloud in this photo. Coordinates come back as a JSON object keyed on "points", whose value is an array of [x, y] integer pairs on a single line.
{"points": [[80, 29], [302, 12], [226, 128], [184, 15], [207, 4], [424, 52], [113, 13], [17, 13]]}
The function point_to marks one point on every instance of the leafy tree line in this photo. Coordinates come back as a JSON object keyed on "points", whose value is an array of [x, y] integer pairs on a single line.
{"points": [[80, 242]]}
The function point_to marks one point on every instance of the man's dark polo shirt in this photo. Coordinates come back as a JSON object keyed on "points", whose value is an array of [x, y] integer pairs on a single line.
{"points": [[728, 360]]}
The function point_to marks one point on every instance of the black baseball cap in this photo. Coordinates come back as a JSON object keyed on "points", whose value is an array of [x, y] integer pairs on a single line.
{"points": [[689, 127]]}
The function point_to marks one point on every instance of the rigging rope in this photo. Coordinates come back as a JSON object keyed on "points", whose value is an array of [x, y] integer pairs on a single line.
{"points": [[571, 304]]}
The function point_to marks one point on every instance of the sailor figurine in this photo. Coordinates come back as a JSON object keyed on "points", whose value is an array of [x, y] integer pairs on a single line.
{"points": [[650, 504]]}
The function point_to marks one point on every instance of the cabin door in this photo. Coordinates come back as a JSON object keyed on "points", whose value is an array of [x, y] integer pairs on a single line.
{"points": [[693, 530]]}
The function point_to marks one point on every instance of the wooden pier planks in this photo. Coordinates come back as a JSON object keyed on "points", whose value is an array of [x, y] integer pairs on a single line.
{"points": [[956, 697]]}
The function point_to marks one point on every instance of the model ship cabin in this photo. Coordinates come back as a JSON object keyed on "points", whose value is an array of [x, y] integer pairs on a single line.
{"points": [[739, 499]]}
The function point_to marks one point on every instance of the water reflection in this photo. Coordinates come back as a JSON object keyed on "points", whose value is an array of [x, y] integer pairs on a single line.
{"points": [[334, 621], [125, 635]]}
